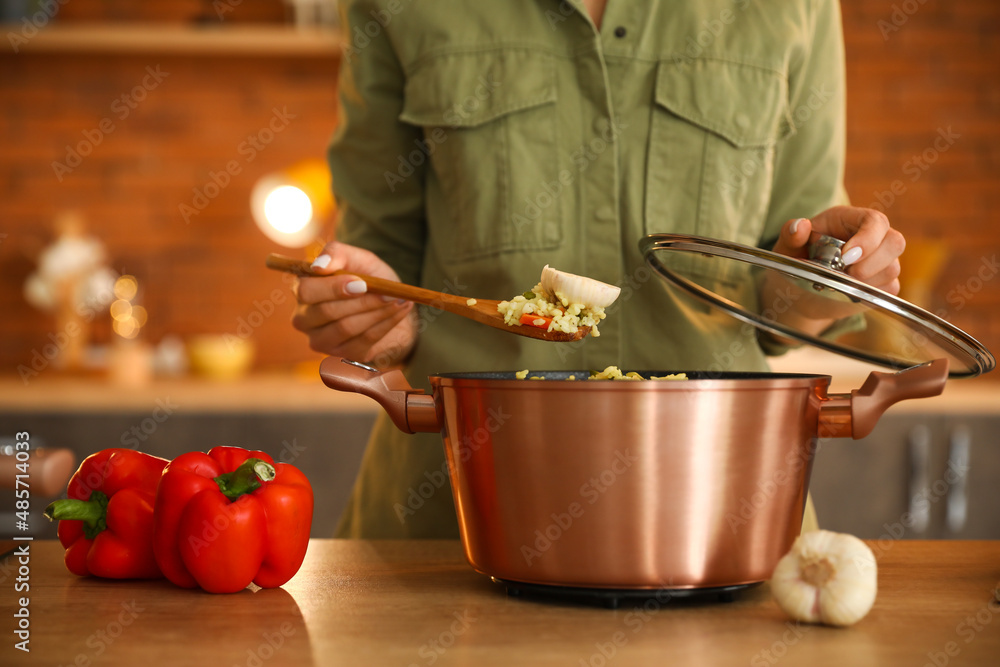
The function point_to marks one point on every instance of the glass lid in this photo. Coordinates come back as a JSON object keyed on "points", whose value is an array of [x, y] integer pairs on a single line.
{"points": [[869, 324]]}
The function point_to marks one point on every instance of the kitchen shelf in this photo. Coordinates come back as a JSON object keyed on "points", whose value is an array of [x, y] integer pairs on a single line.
{"points": [[175, 39], [257, 393], [286, 392]]}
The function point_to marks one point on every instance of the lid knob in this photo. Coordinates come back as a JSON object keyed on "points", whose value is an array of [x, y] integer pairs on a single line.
{"points": [[825, 250]]}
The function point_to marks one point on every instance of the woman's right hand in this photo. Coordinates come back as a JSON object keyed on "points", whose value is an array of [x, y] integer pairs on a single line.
{"points": [[341, 319]]}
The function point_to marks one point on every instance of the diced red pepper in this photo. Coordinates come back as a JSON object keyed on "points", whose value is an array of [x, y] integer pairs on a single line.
{"points": [[532, 320]]}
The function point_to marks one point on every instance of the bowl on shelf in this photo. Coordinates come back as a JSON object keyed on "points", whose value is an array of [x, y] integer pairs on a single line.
{"points": [[220, 356]]}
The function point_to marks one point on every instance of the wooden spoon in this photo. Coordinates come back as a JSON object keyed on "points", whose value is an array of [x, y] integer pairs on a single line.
{"points": [[483, 311]]}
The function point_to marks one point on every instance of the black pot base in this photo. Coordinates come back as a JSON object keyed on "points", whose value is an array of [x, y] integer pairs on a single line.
{"points": [[612, 598]]}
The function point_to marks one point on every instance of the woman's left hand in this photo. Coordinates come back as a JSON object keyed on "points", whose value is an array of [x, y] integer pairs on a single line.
{"points": [[871, 250]]}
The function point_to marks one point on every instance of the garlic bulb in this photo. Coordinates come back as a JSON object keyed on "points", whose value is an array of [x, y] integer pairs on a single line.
{"points": [[826, 578], [579, 289]]}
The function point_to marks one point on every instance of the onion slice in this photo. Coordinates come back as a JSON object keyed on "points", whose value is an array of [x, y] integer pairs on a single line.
{"points": [[579, 289]]}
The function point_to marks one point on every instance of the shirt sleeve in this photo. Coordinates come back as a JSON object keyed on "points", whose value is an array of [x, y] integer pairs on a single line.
{"points": [[809, 163], [379, 188]]}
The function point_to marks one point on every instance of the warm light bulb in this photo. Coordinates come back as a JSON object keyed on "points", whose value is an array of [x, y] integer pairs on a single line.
{"points": [[288, 209]]}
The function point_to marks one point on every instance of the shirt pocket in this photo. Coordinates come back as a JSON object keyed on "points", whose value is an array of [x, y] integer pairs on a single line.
{"points": [[489, 126], [714, 128]]}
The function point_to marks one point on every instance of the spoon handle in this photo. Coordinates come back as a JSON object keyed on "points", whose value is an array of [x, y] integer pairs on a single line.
{"points": [[299, 267], [483, 311], [380, 286]]}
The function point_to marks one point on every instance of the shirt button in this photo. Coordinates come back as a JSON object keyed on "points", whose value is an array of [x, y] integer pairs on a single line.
{"points": [[605, 214], [602, 126], [620, 32], [742, 120]]}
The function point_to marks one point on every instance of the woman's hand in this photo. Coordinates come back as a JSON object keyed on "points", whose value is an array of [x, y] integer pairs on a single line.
{"points": [[341, 319], [871, 250]]}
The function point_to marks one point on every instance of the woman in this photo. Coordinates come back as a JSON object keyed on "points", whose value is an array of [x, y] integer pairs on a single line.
{"points": [[481, 141]]}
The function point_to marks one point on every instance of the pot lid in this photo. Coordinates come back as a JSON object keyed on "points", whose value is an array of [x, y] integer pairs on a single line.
{"points": [[883, 329]]}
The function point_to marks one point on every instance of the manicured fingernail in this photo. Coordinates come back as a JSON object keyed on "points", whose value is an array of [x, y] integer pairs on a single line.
{"points": [[322, 262], [794, 227], [356, 287], [851, 256]]}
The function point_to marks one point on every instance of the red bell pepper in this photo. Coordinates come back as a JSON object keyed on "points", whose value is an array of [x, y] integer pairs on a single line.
{"points": [[106, 524], [229, 517]]}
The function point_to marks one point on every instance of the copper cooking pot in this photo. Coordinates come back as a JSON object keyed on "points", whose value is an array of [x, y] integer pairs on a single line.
{"points": [[648, 484], [631, 485]]}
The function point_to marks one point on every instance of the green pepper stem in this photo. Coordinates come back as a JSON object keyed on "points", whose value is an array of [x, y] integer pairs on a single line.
{"points": [[245, 479], [93, 512]]}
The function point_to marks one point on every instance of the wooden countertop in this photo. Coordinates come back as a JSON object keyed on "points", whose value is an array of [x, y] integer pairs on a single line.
{"points": [[362, 603]]}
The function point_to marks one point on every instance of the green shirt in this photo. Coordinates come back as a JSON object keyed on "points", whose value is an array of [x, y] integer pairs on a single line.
{"points": [[479, 141]]}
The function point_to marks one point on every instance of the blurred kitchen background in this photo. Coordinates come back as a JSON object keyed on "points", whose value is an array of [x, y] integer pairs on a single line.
{"points": [[146, 127]]}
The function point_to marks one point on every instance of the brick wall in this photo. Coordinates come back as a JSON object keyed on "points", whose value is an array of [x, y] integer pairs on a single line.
{"points": [[916, 73], [201, 11], [924, 141], [173, 135]]}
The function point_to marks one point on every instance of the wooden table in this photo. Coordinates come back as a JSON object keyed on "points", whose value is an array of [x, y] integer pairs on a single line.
{"points": [[365, 603]]}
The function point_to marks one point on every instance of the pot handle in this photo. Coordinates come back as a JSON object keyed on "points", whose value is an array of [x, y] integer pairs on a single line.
{"points": [[410, 409], [854, 415]]}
